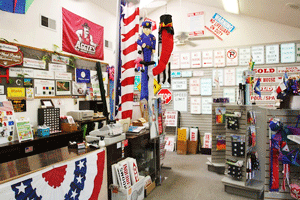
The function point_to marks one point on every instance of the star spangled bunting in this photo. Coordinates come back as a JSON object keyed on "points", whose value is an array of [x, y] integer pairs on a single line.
{"points": [[79, 178], [23, 190]]}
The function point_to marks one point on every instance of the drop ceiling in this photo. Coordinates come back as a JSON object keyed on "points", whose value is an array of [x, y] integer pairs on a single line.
{"points": [[277, 11]]}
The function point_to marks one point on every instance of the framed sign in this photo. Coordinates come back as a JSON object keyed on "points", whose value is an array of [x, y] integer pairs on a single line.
{"points": [[232, 57], [229, 76], [206, 103], [195, 105], [206, 86], [272, 54], [207, 58], [63, 87], [185, 61], [258, 55], [196, 59], [180, 101], [288, 51], [47, 102], [194, 86], [179, 84], [219, 58], [244, 56], [44, 87]]}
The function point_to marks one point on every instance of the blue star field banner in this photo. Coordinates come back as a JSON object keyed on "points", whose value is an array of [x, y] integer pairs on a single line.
{"points": [[83, 76]]}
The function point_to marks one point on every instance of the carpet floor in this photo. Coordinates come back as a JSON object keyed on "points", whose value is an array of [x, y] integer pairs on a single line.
{"points": [[189, 179]]}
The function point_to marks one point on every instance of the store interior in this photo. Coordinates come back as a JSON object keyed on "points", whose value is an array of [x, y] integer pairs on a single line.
{"points": [[156, 99]]}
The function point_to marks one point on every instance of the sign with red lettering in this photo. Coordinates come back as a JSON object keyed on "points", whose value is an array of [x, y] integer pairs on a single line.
{"points": [[166, 95], [171, 118], [270, 70], [267, 88], [207, 58], [196, 20], [269, 79], [196, 59], [219, 58], [263, 98], [288, 69], [232, 57]]}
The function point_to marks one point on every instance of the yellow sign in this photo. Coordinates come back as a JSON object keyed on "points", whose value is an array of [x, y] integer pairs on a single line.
{"points": [[157, 86], [15, 92]]}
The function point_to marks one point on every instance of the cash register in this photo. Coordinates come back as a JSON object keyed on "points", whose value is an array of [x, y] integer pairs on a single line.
{"points": [[108, 134]]}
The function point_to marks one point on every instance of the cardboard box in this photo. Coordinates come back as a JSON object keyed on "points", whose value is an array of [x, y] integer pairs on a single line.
{"points": [[192, 147], [136, 191], [149, 189], [181, 147]]}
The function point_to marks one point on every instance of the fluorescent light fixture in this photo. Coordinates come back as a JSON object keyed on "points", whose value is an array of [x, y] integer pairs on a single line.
{"points": [[152, 3], [231, 6]]}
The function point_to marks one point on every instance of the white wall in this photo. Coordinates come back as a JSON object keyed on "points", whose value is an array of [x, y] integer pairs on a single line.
{"points": [[248, 30], [26, 30]]}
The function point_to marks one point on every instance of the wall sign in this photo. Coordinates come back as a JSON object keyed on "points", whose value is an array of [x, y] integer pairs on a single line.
{"points": [[267, 88], [196, 20], [19, 105], [263, 98], [60, 59], [57, 67], [186, 74], [194, 86], [79, 88], [179, 84], [288, 69], [232, 57], [229, 93], [196, 59], [33, 63], [176, 74], [220, 75], [206, 105], [269, 79], [229, 76], [42, 74], [272, 54], [10, 55], [207, 58], [63, 75], [244, 56], [220, 27], [21, 72], [185, 61], [196, 105], [198, 73], [206, 86], [287, 53], [63, 87], [180, 101], [15, 92], [239, 74], [44, 87], [175, 61], [82, 75], [219, 58], [269, 70], [258, 55], [171, 118], [166, 95]]}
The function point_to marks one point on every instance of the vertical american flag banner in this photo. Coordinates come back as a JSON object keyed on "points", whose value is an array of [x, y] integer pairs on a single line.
{"points": [[129, 29], [79, 179]]}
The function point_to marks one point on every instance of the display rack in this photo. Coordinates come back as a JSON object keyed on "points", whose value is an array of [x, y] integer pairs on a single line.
{"points": [[242, 187], [216, 162]]}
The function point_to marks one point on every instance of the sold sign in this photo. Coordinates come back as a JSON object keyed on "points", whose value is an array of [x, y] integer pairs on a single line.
{"points": [[265, 70], [166, 95]]}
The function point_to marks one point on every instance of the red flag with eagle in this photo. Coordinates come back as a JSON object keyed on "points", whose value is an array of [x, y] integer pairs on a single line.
{"points": [[80, 179], [129, 29]]}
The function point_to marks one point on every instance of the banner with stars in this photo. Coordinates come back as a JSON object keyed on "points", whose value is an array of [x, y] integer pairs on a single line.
{"points": [[79, 179]]}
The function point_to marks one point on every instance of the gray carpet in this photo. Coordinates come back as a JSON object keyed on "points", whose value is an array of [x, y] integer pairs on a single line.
{"points": [[189, 179]]}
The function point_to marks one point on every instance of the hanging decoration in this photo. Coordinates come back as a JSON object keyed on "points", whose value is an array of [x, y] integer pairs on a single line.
{"points": [[111, 77], [16, 6]]}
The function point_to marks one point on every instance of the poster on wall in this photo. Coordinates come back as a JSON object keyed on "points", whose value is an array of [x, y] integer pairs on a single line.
{"points": [[33, 63], [194, 86], [206, 86], [229, 76], [63, 87], [179, 84], [44, 87], [195, 105], [81, 36], [83, 75], [272, 54], [207, 58], [288, 52], [239, 74], [232, 57], [196, 59], [229, 93], [219, 58], [298, 52], [180, 101], [220, 75], [258, 55], [175, 61], [220, 27], [206, 105], [244, 56], [19, 105], [185, 61], [196, 21]]}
